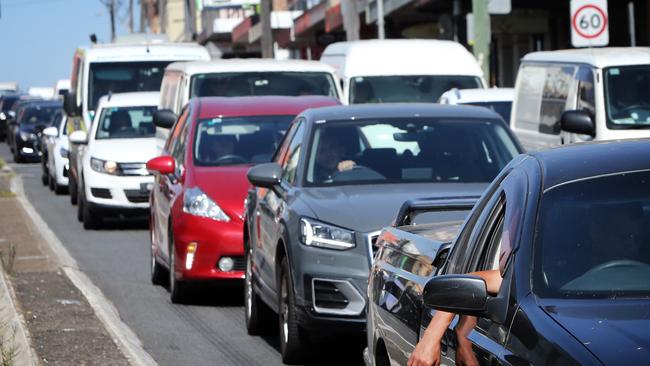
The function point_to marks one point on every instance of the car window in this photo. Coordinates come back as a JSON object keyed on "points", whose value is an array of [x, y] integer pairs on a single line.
{"points": [[126, 122], [179, 149], [280, 153], [407, 88], [586, 90], [291, 164], [555, 95], [173, 135]]}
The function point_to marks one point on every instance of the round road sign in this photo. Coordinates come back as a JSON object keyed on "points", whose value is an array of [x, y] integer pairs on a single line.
{"points": [[589, 21]]}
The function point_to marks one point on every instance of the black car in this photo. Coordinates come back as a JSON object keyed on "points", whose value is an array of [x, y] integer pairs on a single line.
{"points": [[567, 230], [6, 102], [337, 178], [32, 116]]}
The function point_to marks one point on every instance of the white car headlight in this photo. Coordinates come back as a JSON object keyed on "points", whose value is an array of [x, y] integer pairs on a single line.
{"points": [[103, 166], [197, 203], [318, 234]]}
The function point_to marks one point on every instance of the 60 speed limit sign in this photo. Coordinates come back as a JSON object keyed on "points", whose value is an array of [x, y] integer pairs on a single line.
{"points": [[589, 23]]}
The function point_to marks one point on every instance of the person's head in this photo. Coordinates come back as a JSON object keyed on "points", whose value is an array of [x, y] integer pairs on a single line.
{"points": [[221, 146], [330, 152], [120, 120]]}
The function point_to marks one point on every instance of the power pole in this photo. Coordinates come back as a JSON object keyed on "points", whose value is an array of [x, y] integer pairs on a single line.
{"points": [[131, 29], [381, 32], [267, 32], [483, 35], [143, 15], [111, 4], [350, 20]]}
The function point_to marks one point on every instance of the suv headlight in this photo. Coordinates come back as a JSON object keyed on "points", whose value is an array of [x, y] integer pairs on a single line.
{"points": [[318, 234], [26, 136], [103, 166], [197, 203]]}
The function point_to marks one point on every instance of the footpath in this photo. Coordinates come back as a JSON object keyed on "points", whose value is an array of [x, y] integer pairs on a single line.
{"points": [[44, 318]]}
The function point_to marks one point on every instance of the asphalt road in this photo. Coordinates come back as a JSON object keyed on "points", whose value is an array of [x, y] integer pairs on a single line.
{"points": [[208, 331]]}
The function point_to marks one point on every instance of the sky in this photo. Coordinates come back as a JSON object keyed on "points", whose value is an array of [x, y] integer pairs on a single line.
{"points": [[38, 37]]}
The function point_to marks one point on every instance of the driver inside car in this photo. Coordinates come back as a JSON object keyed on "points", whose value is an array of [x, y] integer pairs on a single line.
{"points": [[330, 159], [219, 147]]}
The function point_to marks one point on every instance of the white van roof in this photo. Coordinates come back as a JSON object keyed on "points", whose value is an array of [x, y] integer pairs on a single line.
{"points": [[598, 57], [144, 52], [404, 57], [134, 99], [248, 65]]}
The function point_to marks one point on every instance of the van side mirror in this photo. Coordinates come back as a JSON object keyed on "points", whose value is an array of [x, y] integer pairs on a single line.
{"points": [[579, 122], [265, 175], [460, 294], [164, 118], [70, 104]]}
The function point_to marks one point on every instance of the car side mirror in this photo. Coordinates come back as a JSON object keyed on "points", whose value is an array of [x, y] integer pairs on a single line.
{"points": [[51, 132], [459, 294], [70, 105], [265, 175], [78, 137], [579, 122], [163, 164], [11, 114], [164, 118]]}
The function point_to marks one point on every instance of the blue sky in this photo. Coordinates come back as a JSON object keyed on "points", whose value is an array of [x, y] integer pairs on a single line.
{"points": [[38, 37]]}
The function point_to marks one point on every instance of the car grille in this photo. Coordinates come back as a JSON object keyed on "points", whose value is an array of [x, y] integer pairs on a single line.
{"points": [[101, 193], [371, 240], [327, 295], [133, 169], [136, 195]]}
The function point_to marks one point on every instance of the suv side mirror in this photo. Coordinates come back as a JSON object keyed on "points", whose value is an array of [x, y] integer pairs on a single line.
{"points": [[164, 118], [51, 132], [78, 137], [265, 175], [579, 122], [70, 104], [460, 294], [163, 164]]}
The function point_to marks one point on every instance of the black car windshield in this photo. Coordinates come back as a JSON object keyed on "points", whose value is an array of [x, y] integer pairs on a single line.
{"points": [[409, 88], [38, 114], [502, 108], [8, 102], [126, 123], [239, 84], [627, 94], [593, 239], [238, 140], [123, 77], [408, 150]]}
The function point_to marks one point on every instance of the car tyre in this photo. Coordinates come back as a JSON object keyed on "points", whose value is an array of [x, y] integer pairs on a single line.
{"points": [[51, 183], [91, 221], [45, 176], [176, 286], [58, 189], [293, 339], [256, 313], [73, 191]]}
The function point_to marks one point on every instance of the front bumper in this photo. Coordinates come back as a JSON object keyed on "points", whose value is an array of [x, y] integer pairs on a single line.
{"points": [[214, 240], [28, 149], [126, 192]]}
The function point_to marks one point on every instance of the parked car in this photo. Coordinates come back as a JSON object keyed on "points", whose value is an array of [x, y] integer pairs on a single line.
{"points": [[569, 240], [401, 70], [32, 116], [113, 179], [579, 95], [497, 99], [10, 87], [6, 103], [337, 178], [198, 198], [54, 150], [242, 77]]}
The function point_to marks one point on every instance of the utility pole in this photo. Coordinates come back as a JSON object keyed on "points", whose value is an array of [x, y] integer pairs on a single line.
{"points": [[482, 35], [381, 32], [111, 10], [350, 19], [267, 32], [131, 16], [143, 15]]}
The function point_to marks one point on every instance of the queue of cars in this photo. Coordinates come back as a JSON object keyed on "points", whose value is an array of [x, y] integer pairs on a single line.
{"points": [[353, 219]]}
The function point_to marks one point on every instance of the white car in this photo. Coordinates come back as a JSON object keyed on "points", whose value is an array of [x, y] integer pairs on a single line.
{"points": [[497, 99], [114, 180], [55, 154]]}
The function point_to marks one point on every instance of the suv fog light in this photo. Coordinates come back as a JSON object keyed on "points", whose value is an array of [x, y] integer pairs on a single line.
{"points": [[189, 257], [226, 264]]}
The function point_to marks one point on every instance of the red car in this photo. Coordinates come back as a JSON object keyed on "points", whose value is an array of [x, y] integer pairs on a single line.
{"points": [[197, 199]]}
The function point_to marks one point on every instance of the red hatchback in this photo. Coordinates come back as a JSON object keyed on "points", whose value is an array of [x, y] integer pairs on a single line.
{"points": [[197, 199]]}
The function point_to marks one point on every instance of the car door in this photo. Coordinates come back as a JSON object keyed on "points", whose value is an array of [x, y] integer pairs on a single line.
{"points": [[271, 203]]}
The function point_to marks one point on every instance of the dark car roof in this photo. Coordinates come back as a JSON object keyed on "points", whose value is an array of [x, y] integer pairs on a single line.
{"points": [[396, 110], [259, 105], [583, 160]]}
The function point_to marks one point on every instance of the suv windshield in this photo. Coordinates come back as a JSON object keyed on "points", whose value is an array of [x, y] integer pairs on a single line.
{"points": [[38, 114], [593, 238], [126, 123], [627, 91], [238, 140], [406, 150], [239, 84], [123, 77], [408, 88]]}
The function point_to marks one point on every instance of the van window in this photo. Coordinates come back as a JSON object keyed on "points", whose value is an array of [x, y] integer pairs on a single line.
{"points": [[627, 94], [407, 88], [530, 85], [554, 97], [586, 90]]}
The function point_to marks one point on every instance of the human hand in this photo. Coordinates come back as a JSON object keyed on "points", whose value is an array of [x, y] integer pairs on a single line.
{"points": [[346, 165], [426, 352]]}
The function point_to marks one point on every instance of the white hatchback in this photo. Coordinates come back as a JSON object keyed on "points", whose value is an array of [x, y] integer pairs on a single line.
{"points": [[114, 180]]}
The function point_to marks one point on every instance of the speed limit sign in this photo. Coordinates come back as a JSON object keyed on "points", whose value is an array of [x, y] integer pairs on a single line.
{"points": [[589, 23]]}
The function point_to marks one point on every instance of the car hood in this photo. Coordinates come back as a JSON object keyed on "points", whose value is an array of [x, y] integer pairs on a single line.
{"points": [[138, 150], [367, 208], [613, 330], [226, 185]]}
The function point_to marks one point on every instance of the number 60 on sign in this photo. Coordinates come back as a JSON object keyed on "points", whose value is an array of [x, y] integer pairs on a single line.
{"points": [[589, 23]]}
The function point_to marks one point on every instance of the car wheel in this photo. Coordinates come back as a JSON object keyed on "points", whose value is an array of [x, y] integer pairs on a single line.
{"points": [[58, 189], [45, 175], [175, 285], [51, 182], [292, 338], [90, 220], [73, 191], [256, 313], [157, 270], [17, 158]]}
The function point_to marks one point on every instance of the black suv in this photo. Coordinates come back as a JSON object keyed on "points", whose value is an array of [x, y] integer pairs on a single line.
{"points": [[24, 131]]}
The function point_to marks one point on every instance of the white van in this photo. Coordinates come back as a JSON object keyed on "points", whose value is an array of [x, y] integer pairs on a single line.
{"points": [[242, 77], [580, 95], [117, 68], [402, 70]]}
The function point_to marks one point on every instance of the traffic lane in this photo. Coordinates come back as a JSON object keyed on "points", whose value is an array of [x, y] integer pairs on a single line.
{"points": [[210, 331]]}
